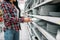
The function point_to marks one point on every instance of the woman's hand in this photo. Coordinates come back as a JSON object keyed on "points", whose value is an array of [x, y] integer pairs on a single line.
{"points": [[27, 20]]}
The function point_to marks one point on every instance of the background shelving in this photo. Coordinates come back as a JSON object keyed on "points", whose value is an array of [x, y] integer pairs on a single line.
{"points": [[47, 13]]}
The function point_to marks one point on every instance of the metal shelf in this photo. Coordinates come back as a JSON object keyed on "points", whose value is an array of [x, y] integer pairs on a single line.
{"points": [[55, 20], [30, 29], [45, 2], [36, 33], [44, 32]]}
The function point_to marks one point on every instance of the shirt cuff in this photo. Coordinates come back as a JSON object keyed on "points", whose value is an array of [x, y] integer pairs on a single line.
{"points": [[21, 20]]}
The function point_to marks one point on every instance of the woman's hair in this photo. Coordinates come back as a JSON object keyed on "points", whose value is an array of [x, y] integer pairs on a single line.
{"points": [[7, 0], [16, 4]]}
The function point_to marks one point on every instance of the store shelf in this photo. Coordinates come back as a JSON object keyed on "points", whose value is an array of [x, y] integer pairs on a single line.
{"points": [[55, 20], [44, 32], [52, 18], [45, 2], [30, 31], [36, 33]]}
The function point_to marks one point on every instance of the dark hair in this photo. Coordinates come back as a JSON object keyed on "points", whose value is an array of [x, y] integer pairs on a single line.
{"points": [[16, 4], [7, 0]]}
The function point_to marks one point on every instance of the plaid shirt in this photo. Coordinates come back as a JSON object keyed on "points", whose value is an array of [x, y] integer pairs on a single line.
{"points": [[11, 20]]}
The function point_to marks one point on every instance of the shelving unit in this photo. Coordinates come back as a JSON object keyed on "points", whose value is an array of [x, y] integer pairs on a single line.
{"points": [[45, 2], [53, 21], [44, 32]]}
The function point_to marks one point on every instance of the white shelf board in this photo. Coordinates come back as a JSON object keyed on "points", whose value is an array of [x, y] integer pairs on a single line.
{"points": [[44, 32], [45, 2], [55, 20]]}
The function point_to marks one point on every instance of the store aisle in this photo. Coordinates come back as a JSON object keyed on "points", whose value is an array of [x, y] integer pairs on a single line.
{"points": [[24, 33]]}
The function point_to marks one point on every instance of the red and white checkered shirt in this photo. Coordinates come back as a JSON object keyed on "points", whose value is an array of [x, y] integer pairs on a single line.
{"points": [[11, 20]]}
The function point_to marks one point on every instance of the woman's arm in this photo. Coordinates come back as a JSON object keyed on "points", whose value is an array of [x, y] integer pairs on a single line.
{"points": [[21, 20]]}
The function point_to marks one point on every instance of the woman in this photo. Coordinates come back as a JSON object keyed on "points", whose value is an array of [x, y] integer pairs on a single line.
{"points": [[11, 21]]}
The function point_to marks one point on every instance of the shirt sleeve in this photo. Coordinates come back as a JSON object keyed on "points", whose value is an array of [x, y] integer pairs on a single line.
{"points": [[14, 19]]}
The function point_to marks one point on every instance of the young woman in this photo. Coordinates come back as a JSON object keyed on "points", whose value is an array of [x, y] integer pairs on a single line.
{"points": [[11, 21]]}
